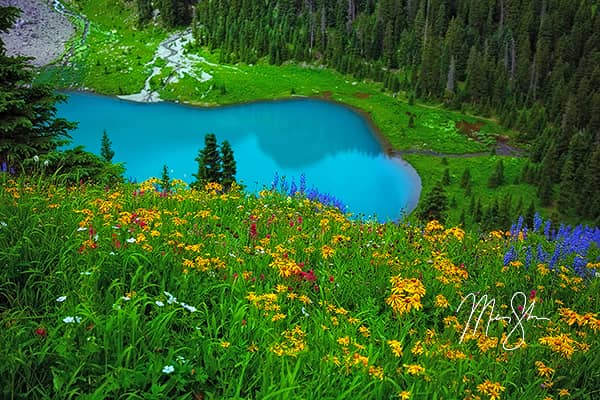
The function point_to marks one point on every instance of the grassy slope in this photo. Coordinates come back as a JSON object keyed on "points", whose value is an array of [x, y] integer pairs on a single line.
{"points": [[114, 62], [254, 331]]}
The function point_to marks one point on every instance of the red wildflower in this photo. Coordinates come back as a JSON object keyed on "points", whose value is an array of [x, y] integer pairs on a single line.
{"points": [[253, 231], [532, 294], [309, 276], [42, 332]]}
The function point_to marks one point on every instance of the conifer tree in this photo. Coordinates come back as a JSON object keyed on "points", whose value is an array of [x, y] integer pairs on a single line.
{"points": [[106, 150], [209, 162], [465, 180], [28, 123], [229, 166], [435, 204], [497, 177], [446, 177], [165, 180]]}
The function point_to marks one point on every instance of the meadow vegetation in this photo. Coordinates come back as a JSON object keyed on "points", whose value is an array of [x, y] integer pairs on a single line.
{"points": [[133, 291]]}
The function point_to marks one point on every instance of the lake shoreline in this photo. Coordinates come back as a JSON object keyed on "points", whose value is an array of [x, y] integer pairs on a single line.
{"points": [[385, 145], [384, 190]]}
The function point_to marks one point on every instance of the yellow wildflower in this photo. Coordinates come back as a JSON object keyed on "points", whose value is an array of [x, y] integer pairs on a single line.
{"points": [[414, 369], [492, 389], [396, 347], [404, 395]]}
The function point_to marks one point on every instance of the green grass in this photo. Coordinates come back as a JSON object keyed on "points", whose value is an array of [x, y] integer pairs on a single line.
{"points": [[276, 298], [480, 168]]}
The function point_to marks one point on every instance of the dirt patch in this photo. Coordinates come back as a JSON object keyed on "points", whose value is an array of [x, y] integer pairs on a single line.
{"points": [[362, 95], [469, 129], [327, 94]]}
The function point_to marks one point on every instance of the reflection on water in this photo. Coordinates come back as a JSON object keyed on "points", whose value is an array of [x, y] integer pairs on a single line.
{"points": [[332, 145]]}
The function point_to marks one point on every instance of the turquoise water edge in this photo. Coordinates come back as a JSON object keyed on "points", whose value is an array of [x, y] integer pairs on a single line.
{"points": [[332, 145]]}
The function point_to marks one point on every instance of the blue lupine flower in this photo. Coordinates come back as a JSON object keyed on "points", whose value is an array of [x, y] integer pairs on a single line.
{"points": [[275, 181], [547, 230], [579, 266], [302, 183], [513, 231], [541, 254], [537, 222], [284, 185], [4, 166], [293, 188], [554, 258], [528, 257], [510, 255]]}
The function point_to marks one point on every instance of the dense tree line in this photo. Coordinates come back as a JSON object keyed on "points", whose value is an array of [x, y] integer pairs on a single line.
{"points": [[534, 64], [170, 12]]}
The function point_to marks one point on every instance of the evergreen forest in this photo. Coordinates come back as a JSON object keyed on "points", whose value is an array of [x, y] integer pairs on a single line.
{"points": [[533, 65]]}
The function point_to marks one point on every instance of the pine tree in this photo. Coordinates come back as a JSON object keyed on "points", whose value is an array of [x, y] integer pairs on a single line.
{"points": [[465, 180], [446, 177], [435, 204], [28, 126], [144, 11], [106, 150], [209, 163], [229, 166], [165, 180], [497, 178]]}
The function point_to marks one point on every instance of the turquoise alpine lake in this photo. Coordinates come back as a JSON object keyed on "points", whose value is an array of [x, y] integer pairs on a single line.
{"points": [[334, 146]]}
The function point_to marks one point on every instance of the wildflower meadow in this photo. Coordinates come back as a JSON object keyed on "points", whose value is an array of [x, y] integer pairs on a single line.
{"points": [[132, 292]]}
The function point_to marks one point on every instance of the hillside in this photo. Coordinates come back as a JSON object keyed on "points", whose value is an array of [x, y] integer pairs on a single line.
{"points": [[132, 292]]}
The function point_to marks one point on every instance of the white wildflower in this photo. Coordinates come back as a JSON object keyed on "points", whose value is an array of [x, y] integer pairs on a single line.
{"points": [[81, 229], [189, 308], [72, 320], [159, 303], [170, 298], [61, 299], [167, 369], [131, 240]]}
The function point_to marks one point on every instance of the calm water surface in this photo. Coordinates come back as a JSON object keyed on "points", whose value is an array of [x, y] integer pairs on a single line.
{"points": [[332, 145]]}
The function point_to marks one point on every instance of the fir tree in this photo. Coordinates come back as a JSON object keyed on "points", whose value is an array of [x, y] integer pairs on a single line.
{"points": [[435, 204], [165, 180], [446, 177], [106, 150], [209, 163], [465, 180], [28, 126], [229, 166], [497, 178]]}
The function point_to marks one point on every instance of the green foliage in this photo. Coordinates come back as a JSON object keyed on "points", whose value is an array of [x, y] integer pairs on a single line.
{"points": [[77, 165], [165, 180], [215, 164], [106, 150], [465, 179], [446, 177], [123, 293], [497, 178], [229, 168], [434, 204], [28, 125]]}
